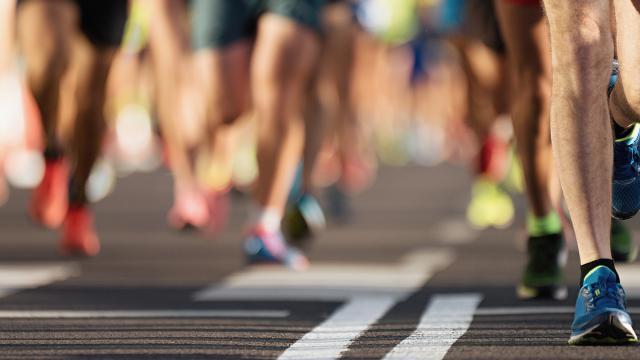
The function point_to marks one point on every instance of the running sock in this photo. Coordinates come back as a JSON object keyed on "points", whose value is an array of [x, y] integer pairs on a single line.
{"points": [[586, 268], [77, 194], [52, 152], [268, 219], [541, 226]]}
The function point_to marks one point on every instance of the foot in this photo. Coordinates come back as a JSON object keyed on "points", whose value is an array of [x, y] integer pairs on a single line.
{"points": [[626, 176], [79, 235], [601, 317], [303, 218], [626, 168], [543, 277], [190, 210], [623, 247], [49, 200], [264, 247]]}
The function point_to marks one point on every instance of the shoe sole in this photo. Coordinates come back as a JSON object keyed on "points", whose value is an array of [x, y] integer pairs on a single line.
{"points": [[623, 216], [542, 293], [611, 332]]}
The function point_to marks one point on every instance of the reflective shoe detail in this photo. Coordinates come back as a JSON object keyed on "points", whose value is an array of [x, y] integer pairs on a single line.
{"points": [[262, 247], [78, 234], [49, 201], [601, 316], [303, 219], [623, 247], [543, 276]]}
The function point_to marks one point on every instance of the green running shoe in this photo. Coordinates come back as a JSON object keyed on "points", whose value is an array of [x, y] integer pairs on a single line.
{"points": [[623, 248], [543, 276]]}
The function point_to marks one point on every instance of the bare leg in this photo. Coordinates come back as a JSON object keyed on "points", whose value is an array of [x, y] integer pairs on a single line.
{"points": [[284, 58], [92, 69], [527, 40], [582, 50]]}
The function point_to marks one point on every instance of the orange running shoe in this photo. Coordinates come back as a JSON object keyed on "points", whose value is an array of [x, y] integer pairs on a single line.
{"points": [[49, 201], [79, 235]]}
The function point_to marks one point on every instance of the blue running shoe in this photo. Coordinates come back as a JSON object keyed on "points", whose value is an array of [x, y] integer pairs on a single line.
{"points": [[264, 247], [626, 167], [625, 201], [601, 317]]}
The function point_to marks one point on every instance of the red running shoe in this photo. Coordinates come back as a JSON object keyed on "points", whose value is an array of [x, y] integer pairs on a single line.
{"points": [[49, 201], [79, 235]]}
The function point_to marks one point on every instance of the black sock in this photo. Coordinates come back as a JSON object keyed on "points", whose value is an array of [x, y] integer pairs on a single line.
{"points": [[77, 194], [586, 268]]}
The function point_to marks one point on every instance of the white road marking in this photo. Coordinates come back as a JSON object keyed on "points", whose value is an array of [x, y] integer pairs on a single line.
{"points": [[14, 278], [329, 339], [445, 320], [630, 279], [368, 291], [454, 232], [108, 314]]}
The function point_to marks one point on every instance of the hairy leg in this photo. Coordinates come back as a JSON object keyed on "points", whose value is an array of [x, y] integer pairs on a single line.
{"points": [[581, 53]]}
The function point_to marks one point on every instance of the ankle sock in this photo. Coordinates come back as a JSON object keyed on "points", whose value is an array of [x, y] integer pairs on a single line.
{"points": [[546, 225], [586, 268], [621, 133]]}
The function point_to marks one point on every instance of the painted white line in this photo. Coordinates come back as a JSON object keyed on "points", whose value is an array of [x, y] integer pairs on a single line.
{"points": [[445, 320], [330, 281], [14, 278], [505, 311], [368, 292], [108, 314], [630, 279], [331, 338], [454, 232]]}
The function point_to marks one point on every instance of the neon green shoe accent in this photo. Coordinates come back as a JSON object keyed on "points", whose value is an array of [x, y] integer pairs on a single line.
{"points": [[490, 206], [632, 135], [549, 224], [592, 271]]}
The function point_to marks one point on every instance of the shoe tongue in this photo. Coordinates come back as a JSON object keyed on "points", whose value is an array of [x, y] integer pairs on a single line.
{"points": [[599, 273]]}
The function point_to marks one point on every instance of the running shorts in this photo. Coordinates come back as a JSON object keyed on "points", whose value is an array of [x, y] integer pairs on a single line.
{"points": [[102, 21], [218, 23]]}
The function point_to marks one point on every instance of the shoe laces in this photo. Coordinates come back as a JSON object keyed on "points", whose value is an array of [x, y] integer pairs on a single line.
{"points": [[603, 294]]}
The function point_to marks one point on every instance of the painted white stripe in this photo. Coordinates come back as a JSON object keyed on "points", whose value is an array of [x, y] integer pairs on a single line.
{"points": [[630, 278], [330, 281], [14, 278], [368, 290], [106, 314], [331, 338], [445, 320]]}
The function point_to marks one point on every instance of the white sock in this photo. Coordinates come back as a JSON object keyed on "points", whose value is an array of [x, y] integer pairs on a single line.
{"points": [[267, 218]]}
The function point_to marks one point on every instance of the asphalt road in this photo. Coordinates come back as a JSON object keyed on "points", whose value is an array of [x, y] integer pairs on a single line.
{"points": [[405, 279]]}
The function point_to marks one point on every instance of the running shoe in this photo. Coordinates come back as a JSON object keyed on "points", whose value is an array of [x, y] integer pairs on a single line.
{"points": [[303, 219], [189, 211], [626, 176], [265, 247], [601, 317], [543, 276], [626, 167], [49, 200], [490, 205], [79, 235], [623, 247]]}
